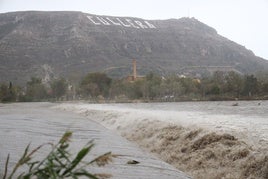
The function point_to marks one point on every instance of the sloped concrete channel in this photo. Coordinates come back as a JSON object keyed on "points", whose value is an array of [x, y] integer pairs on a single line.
{"points": [[38, 123]]}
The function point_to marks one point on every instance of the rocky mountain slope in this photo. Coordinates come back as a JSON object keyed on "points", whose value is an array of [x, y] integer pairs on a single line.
{"points": [[71, 44]]}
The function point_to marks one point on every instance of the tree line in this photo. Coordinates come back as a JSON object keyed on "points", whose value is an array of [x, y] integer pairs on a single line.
{"points": [[152, 87]]}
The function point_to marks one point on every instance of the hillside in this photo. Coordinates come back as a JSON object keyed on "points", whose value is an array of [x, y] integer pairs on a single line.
{"points": [[71, 44]]}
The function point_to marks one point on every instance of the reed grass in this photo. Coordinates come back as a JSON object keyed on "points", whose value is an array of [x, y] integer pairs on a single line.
{"points": [[59, 163]]}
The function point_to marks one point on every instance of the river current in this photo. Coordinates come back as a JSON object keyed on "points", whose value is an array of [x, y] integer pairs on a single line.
{"points": [[163, 128], [204, 139], [247, 119]]}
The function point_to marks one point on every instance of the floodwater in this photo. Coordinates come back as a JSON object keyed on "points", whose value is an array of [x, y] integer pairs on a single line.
{"points": [[247, 120], [204, 139], [39, 123]]}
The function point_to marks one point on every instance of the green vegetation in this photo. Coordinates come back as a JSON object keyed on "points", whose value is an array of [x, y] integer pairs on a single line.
{"points": [[98, 87], [7, 93], [35, 90], [58, 88], [58, 163], [94, 85]]}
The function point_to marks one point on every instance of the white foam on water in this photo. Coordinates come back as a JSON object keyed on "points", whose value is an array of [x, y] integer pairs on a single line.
{"points": [[207, 140], [253, 128]]}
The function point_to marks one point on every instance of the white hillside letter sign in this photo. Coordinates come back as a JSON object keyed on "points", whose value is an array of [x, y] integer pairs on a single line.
{"points": [[124, 22]]}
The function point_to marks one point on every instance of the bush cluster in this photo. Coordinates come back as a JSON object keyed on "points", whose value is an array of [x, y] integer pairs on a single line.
{"points": [[152, 87]]}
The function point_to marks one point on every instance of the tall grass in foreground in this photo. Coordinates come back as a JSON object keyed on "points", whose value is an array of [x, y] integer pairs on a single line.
{"points": [[58, 163]]}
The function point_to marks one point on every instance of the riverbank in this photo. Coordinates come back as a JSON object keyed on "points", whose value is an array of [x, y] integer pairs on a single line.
{"points": [[202, 148]]}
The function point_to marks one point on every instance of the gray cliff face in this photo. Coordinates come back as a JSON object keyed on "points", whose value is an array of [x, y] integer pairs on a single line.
{"points": [[71, 44]]}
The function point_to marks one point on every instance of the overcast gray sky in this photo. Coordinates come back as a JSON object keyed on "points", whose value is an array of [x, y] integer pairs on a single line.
{"points": [[243, 21]]}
